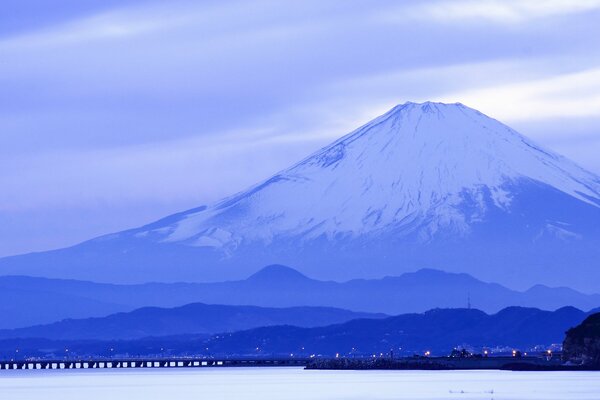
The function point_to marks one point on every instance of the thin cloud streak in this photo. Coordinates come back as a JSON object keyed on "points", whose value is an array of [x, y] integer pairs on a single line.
{"points": [[566, 95], [500, 11]]}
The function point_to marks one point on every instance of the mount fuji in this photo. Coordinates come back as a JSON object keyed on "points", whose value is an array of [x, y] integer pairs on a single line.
{"points": [[426, 185]]}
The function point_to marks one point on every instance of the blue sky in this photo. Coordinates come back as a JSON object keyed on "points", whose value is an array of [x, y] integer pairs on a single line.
{"points": [[115, 113]]}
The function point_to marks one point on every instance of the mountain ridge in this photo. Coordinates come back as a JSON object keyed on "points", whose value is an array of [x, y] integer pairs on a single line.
{"points": [[438, 331], [194, 318], [26, 301]]}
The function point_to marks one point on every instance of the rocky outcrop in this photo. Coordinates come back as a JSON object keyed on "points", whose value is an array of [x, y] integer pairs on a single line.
{"points": [[582, 343]]}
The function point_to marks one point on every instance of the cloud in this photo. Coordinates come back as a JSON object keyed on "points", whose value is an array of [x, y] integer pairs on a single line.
{"points": [[499, 11], [178, 171], [511, 90], [565, 95]]}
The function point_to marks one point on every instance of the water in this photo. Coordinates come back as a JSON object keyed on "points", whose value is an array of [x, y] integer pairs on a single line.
{"points": [[296, 383]]}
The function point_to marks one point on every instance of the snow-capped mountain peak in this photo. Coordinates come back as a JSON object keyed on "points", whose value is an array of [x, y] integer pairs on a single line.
{"points": [[409, 171], [423, 186]]}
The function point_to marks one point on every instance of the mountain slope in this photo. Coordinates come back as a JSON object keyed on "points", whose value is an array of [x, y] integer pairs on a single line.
{"points": [[437, 331], [424, 185], [28, 301], [194, 318]]}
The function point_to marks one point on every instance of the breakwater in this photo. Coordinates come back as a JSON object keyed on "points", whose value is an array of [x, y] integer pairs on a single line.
{"points": [[442, 363]]}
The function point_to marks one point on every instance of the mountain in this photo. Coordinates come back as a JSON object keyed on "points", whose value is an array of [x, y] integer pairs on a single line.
{"points": [[196, 318], [27, 301], [438, 331], [424, 185], [30, 301], [582, 343]]}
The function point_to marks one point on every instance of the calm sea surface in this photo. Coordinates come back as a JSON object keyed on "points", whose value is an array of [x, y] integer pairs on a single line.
{"points": [[295, 383]]}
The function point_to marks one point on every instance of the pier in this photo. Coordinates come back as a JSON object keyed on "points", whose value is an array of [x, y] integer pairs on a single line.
{"points": [[148, 363]]}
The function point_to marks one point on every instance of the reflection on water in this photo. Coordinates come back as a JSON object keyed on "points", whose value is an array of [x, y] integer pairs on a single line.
{"points": [[295, 383]]}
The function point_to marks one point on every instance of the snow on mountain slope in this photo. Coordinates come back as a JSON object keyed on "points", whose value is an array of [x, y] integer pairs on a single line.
{"points": [[423, 186], [407, 171]]}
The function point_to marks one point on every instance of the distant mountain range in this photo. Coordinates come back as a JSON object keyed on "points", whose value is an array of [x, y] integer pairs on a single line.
{"points": [[27, 301], [424, 185], [437, 331], [194, 318]]}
